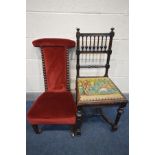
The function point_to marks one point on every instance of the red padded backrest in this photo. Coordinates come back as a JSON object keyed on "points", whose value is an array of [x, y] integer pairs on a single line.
{"points": [[55, 60]]}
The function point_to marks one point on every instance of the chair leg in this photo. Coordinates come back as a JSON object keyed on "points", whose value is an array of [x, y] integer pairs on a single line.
{"points": [[73, 130], [119, 113], [78, 121], [36, 129]]}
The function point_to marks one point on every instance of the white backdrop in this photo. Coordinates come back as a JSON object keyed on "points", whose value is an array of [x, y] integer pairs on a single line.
{"points": [[50, 18]]}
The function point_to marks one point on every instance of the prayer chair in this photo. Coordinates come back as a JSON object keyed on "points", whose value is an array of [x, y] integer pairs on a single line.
{"points": [[96, 91], [56, 104]]}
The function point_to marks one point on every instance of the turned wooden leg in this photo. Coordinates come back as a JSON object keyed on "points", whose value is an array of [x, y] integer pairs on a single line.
{"points": [[36, 129], [119, 113], [73, 130], [78, 121]]}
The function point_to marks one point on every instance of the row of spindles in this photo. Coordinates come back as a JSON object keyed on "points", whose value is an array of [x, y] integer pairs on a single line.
{"points": [[96, 43]]}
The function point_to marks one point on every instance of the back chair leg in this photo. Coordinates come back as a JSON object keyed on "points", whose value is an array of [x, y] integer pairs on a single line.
{"points": [[36, 129], [78, 121], [119, 113]]}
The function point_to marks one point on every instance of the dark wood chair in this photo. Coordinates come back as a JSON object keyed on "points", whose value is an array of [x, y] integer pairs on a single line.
{"points": [[56, 105], [96, 91]]}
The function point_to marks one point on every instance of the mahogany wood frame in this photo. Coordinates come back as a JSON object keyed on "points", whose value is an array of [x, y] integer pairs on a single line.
{"points": [[96, 46]]}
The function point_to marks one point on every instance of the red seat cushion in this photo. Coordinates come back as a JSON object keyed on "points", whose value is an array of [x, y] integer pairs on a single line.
{"points": [[53, 108]]}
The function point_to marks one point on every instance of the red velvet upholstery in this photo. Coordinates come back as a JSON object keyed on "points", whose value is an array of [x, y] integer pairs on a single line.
{"points": [[55, 65], [53, 42], [56, 105], [53, 108]]}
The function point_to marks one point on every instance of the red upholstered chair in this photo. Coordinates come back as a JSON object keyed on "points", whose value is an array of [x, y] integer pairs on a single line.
{"points": [[56, 104]]}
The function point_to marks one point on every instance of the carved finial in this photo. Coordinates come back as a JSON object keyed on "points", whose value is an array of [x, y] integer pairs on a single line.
{"points": [[112, 29], [78, 29], [77, 32]]}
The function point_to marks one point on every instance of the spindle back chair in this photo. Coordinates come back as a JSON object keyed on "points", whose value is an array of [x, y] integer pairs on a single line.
{"points": [[96, 90]]}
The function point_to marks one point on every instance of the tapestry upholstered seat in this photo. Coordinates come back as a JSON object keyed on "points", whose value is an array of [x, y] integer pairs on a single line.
{"points": [[56, 104], [99, 89], [96, 90]]}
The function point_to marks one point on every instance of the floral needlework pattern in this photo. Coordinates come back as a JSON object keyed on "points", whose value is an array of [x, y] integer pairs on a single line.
{"points": [[90, 89]]}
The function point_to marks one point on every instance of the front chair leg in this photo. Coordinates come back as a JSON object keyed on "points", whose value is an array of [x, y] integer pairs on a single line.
{"points": [[36, 129], [78, 121], [73, 130], [119, 113]]}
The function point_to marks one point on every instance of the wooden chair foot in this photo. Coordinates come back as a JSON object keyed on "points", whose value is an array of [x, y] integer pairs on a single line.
{"points": [[114, 127], [36, 129], [78, 132], [78, 122], [118, 116], [73, 130]]}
